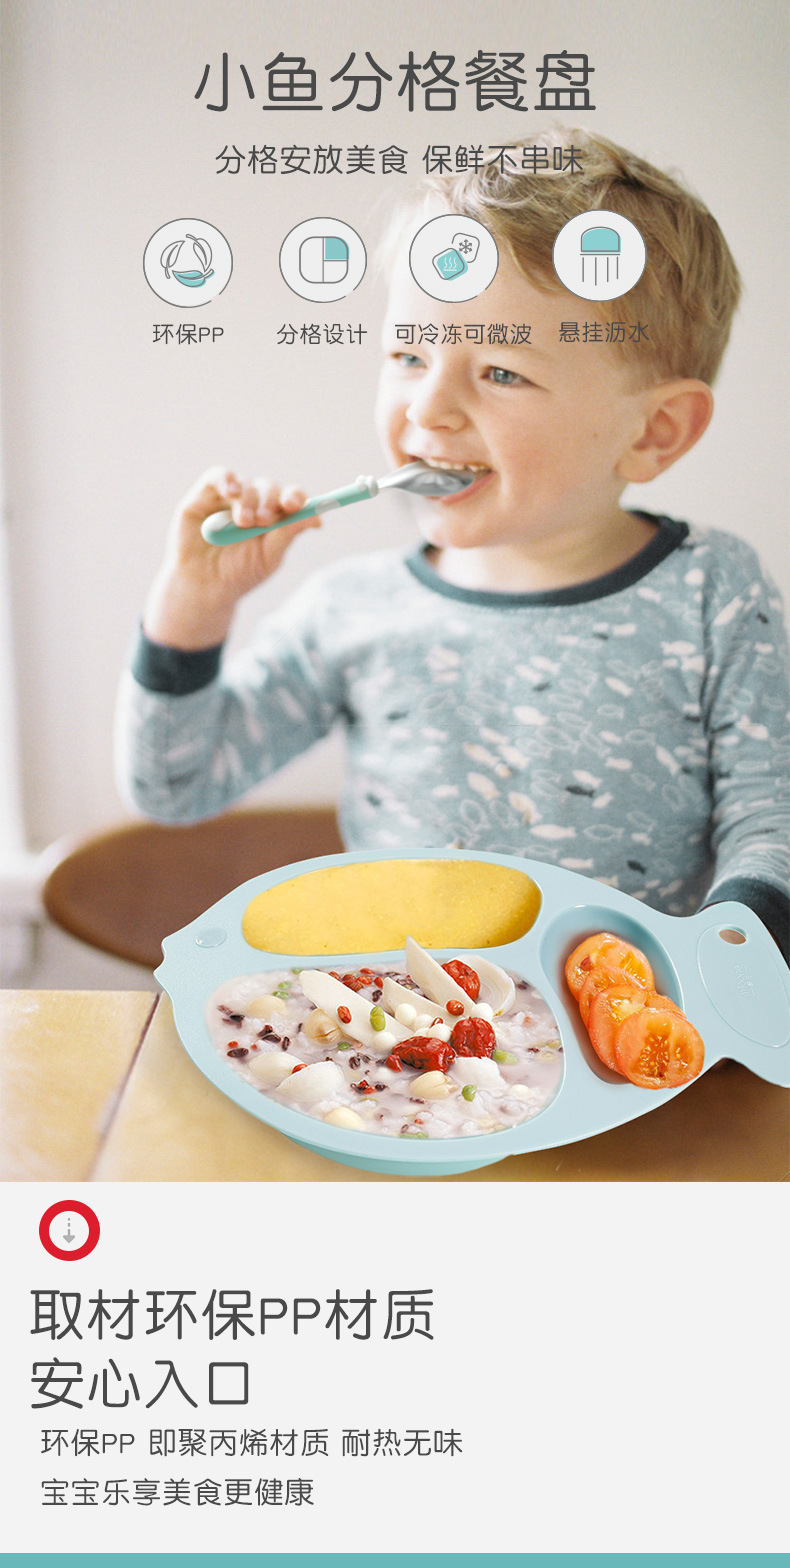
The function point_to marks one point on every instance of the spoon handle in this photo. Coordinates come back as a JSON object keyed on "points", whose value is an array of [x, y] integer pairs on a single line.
{"points": [[219, 528]]}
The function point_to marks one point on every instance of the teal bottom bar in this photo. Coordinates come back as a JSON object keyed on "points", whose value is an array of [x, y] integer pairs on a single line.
{"points": [[395, 1559]]}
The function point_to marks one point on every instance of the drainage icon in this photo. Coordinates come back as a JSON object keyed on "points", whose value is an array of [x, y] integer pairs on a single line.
{"points": [[601, 245], [599, 255]]}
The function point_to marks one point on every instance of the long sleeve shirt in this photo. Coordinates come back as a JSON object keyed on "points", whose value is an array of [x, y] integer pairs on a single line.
{"points": [[633, 728]]}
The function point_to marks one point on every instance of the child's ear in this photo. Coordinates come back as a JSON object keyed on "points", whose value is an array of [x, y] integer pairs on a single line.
{"points": [[675, 415]]}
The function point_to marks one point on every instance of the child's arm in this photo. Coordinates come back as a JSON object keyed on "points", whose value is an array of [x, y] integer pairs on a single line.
{"points": [[747, 699], [198, 586], [191, 737]]}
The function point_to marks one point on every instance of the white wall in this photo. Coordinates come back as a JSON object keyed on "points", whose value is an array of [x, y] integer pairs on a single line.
{"points": [[104, 142]]}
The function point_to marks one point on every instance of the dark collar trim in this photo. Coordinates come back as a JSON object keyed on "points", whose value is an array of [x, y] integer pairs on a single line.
{"points": [[670, 535]]}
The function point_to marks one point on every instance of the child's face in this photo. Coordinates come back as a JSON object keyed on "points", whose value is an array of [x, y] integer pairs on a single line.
{"points": [[549, 421]]}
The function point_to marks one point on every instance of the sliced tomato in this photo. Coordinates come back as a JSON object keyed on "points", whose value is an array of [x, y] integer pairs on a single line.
{"points": [[607, 1011], [604, 948], [600, 978], [658, 1048], [666, 1002]]}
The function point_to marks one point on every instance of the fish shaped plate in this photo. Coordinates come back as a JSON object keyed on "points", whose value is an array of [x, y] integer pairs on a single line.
{"points": [[720, 966]]}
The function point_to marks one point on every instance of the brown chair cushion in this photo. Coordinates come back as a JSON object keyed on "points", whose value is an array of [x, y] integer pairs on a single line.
{"points": [[123, 891]]}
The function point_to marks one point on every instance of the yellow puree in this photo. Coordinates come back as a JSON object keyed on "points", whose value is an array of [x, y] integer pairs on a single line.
{"points": [[374, 905]]}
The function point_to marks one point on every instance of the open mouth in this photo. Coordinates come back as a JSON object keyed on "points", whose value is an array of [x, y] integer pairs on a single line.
{"points": [[458, 466], [455, 466]]}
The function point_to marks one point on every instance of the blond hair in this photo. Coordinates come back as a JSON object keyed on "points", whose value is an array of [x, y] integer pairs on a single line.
{"points": [[690, 287]]}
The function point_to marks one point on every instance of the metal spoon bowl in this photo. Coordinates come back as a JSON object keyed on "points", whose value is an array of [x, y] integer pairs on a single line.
{"points": [[421, 479]]}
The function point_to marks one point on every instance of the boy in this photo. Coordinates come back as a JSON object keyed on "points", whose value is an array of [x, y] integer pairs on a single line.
{"points": [[550, 676]]}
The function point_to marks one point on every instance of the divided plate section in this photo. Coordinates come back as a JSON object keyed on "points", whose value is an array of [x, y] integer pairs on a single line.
{"points": [[570, 928], [372, 906], [262, 1022]]}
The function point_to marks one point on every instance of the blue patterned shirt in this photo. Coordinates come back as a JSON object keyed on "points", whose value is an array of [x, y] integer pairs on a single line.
{"points": [[633, 728]]}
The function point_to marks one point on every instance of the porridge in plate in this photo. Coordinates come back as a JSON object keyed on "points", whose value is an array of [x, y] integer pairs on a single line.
{"points": [[421, 1050]]}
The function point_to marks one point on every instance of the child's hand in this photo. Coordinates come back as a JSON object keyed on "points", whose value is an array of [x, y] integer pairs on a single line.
{"points": [[192, 602]]}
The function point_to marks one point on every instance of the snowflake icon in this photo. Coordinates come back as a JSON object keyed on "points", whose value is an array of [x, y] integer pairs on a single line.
{"points": [[467, 246]]}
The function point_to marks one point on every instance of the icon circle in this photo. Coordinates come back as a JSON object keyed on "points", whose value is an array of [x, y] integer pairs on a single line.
{"points": [[599, 255], [187, 262], [69, 1206], [453, 258], [323, 259]]}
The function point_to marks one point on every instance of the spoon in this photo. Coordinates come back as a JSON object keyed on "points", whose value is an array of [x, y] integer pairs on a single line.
{"points": [[417, 478]]}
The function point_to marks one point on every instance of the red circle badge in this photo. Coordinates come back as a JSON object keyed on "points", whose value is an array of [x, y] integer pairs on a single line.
{"points": [[69, 1206]]}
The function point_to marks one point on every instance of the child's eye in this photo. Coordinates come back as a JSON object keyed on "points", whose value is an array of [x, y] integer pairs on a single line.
{"points": [[408, 361], [505, 378]]}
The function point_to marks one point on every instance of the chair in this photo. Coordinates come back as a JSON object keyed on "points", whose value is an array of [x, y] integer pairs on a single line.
{"points": [[124, 890]]}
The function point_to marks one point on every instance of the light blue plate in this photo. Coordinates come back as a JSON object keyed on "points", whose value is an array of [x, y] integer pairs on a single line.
{"points": [[736, 995]]}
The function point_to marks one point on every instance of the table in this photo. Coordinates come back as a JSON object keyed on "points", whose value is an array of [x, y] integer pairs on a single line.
{"points": [[96, 1086]]}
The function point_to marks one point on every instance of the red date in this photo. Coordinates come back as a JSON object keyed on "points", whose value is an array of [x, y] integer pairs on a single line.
{"points": [[422, 1051], [465, 976], [473, 1037]]}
